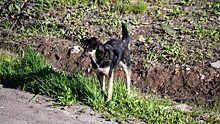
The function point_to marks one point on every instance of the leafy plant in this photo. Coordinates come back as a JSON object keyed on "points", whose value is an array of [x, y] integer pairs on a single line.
{"points": [[14, 8], [177, 11], [139, 7]]}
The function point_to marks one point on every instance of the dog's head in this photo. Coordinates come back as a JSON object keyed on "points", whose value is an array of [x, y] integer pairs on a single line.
{"points": [[90, 46]]}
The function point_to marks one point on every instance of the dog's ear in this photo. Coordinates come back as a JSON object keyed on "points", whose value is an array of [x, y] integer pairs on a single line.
{"points": [[94, 39], [95, 43], [82, 41], [89, 41], [85, 42], [100, 46]]}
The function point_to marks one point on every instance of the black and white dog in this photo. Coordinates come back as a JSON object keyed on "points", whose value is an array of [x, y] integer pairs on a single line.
{"points": [[106, 57]]}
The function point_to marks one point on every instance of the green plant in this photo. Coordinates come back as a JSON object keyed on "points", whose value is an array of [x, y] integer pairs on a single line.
{"points": [[139, 7], [177, 12], [151, 55], [149, 40], [14, 7], [214, 8], [188, 2]]}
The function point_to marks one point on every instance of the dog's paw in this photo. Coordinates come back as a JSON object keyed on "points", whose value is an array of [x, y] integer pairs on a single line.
{"points": [[108, 99], [104, 92]]}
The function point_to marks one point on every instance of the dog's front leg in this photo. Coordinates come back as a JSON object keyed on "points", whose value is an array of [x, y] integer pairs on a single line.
{"points": [[101, 81], [128, 79], [110, 85]]}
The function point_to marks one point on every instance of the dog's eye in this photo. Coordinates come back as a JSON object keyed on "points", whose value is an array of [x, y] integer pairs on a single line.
{"points": [[84, 45]]}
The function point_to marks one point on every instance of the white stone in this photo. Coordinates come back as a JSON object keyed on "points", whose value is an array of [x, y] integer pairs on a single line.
{"points": [[215, 64]]}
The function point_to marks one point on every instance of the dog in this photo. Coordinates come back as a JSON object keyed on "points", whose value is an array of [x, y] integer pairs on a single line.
{"points": [[106, 57]]}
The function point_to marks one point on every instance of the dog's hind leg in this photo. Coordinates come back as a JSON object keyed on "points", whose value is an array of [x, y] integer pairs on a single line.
{"points": [[126, 65], [127, 70], [110, 85], [128, 79], [101, 81]]}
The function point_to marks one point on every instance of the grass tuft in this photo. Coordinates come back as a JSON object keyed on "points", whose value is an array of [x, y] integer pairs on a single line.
{"points": [[139, 7]]}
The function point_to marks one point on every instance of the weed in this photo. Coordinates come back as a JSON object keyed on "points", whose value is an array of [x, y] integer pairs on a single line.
{"points": [[151, 55], [14, 8], [214, 8], [176, 12], [186, 2], [140, 7]]}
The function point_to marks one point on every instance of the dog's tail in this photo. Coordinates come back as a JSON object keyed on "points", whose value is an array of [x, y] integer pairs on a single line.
{"points": [[125, 34]]}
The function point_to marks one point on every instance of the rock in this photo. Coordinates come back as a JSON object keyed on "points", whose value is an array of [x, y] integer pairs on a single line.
{"points": [[74, 50], [187, 68], [218, 27], [181, 107], [202, 77], [215, 64], [205, 116]]}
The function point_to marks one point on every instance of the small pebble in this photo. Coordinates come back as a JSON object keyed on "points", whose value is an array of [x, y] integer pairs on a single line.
{"points": [[187, 68], [202, 76], [215, 64]]}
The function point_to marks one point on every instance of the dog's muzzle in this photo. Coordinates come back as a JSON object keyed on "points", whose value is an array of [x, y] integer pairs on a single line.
{"points": [[84, 56]]}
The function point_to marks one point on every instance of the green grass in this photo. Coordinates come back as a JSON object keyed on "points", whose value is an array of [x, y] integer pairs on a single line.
{"points": [[31, 72], [139, 7]]}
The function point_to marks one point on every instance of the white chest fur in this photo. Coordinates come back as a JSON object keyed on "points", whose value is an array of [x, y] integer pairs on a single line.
{"points": [[105, 70]]}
